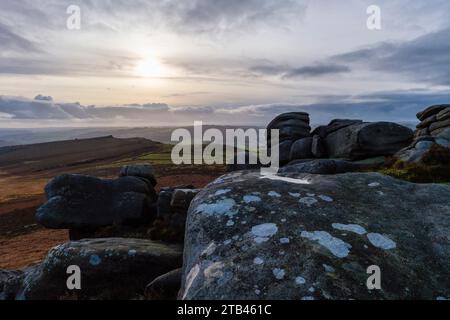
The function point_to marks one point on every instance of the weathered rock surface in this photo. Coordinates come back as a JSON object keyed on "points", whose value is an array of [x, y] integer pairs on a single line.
{"points": [[172, 207], [301, 149], [285, 151], [77, 202], [339, 124], [321, 166], [420, 149], [110, 269], [368, 140], [144, 171], [10, 282], [182, 198], [165, 287], [314, 237], [430, 111], [444, 114], [292, 126], [318, 148]]}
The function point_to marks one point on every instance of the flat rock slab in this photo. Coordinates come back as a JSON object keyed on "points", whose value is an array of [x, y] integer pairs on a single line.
{"points": [[314, 237], [111, 268]]}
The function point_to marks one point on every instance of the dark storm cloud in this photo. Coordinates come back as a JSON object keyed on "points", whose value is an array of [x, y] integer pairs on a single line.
{"points": [[287, 72], [317, 71], [423, 59]]}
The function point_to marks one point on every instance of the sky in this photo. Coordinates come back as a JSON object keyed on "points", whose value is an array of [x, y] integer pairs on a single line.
{"points": [[172, 62]]}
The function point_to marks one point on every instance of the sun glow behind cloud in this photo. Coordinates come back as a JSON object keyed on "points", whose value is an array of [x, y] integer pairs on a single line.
{"points": [[152, 67]]}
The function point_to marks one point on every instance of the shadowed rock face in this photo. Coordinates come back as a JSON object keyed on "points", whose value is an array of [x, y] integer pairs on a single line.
{"points": [[77, 202], [368, 140], [111, 268], [313, 237], [292, 126], [165, 287]]}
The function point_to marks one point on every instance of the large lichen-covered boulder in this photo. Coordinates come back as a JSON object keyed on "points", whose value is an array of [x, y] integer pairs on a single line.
{"points": [[368, 140], [314, 237], [112, 268], [79, 202]]}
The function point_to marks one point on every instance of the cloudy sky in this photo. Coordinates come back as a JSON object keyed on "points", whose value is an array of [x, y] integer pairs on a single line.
{"points": [[167, 62]]}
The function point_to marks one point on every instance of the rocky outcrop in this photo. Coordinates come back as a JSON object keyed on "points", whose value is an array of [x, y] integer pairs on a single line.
{"points": [[433, 133], [341, 138], [299, 236], [80, 202], [110, 269]]}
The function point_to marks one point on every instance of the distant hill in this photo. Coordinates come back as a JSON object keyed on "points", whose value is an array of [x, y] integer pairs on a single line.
{"points": [[61, 154], [12, 137]]}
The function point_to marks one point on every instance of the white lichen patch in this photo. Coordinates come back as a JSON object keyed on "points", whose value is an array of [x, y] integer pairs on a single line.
{"points": [[230, 223], [279, 273], [300, 281], [285, 241], [336, 246], [283, 220], [312, 289], [380, 241], [210, 249], [132, 253], [95, 260], [295, 195], [192, 275], [227, 242], [263, 232], [257, 292], [309, 298], [350, 227], [311, 194], [308, 201], [328, 269], [325, 198], [218, 208], [273, 176], [222, 192], [374, 184], [215, 270], [380, 193], [274, 194], [258, 261], [251, 199]]}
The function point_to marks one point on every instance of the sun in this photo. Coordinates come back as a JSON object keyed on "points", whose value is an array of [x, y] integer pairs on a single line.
{"points": [[150, 67]]}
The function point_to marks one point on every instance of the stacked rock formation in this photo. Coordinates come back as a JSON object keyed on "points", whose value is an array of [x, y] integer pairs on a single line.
{"points": [[340, 139], [294, 128], [432, 132], [83, 204], [434, 120]]}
